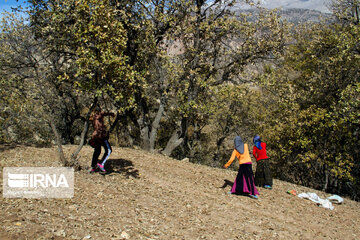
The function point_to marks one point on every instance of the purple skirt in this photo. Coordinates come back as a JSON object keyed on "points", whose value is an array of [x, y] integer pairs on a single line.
{"points": [[244, 182]]}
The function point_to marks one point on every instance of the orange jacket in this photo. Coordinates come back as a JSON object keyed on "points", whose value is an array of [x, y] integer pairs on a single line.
{"points": [[243, 158]]}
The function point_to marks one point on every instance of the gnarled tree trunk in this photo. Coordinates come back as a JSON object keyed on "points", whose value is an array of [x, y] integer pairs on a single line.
{"points": [[173, 143], [74, 156]]}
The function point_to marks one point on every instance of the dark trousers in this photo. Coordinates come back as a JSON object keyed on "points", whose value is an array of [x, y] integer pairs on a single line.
{"points": [[97, 152], [263, 174]]}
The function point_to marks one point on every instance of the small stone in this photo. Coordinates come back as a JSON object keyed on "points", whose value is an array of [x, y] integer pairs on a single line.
{"points": [[124, 235]]}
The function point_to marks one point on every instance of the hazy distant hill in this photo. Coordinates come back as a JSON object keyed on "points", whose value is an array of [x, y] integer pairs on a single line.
{"points": [[317, 5], [294, 11], [296, 15]]}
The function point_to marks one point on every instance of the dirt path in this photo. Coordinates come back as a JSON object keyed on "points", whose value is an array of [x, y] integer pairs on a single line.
{"points": [[149, 196]]}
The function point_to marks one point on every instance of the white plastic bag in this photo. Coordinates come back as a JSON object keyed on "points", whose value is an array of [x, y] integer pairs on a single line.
{"points": [[336, 199], [315, 198]]}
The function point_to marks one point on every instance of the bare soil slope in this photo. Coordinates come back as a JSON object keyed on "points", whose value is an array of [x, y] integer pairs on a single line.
{"points": [[149, 196]]}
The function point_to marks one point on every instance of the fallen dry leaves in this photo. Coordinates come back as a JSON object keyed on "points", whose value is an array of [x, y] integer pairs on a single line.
{"points": [[149, 196]]}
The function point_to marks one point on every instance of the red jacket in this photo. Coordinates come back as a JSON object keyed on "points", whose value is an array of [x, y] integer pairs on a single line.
{"points": [[260, 154]]}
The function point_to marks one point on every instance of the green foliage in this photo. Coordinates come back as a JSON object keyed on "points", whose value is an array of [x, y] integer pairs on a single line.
{"points": [[347, 11], [30, 73], [235, 110], [90, 36], [217, 46], [20, 116]]}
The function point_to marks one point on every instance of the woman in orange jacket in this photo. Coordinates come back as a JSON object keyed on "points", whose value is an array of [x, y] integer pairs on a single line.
{"points": [[244, 182]]}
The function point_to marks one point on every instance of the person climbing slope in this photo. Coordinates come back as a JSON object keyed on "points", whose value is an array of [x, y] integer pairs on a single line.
{"points": [[263, 177], [100, 138], [244, 182]]}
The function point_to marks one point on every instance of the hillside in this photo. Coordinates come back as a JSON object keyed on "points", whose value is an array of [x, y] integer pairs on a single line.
{"points": [[149, 196]]}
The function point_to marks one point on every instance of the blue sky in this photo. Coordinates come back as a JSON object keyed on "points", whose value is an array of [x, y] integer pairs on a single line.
{"points": [[7, 4]]}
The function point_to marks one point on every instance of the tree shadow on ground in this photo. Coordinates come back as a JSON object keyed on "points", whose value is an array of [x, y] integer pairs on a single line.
{"points": [[13, 145], [121, 166], [227, 183], [7, 146]]}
